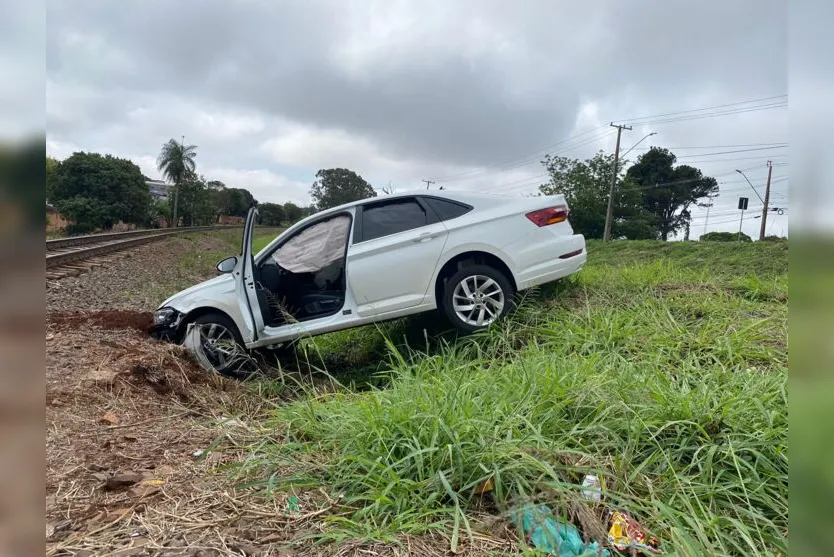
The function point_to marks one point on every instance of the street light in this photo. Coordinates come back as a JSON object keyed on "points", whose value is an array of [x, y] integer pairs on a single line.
{"points": [[751, 184]]}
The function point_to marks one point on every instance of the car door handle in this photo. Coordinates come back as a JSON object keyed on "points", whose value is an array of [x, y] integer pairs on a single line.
{"points": [[424, 237]]}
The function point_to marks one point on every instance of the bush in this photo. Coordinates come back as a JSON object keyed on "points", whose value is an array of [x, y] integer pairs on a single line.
{"points": [[158, 209], [724, 237], [103, 189], [84, 214]]}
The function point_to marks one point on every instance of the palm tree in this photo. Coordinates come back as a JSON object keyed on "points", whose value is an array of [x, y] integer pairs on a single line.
{"points": [[175, 161]]}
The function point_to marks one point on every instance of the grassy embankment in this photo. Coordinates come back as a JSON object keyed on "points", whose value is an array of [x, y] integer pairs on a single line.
{"points": [[661, 367]]}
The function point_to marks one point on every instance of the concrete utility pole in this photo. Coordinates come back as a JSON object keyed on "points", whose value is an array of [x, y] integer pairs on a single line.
{"points": [[706, 220], [766, 200], [606, 235], [709, 206], [428, 183], [740, 222]]}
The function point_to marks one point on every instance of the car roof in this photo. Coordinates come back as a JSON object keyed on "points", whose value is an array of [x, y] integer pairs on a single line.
{"points": [[461, 196], [452, 195]]}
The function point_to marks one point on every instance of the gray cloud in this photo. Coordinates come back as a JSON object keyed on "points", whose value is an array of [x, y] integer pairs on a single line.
{"points": [[423, 89]]}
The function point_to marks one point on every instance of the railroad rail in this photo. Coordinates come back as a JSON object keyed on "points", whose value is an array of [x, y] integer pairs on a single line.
{"points": [[66, 251]]}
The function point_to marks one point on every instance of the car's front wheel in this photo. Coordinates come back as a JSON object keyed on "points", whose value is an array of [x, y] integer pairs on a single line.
{"points": [[475, 297], [215, 341]]}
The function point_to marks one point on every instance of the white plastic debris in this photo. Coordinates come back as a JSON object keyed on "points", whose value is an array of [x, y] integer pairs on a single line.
{"points": [[592, 487], [231, 422]]}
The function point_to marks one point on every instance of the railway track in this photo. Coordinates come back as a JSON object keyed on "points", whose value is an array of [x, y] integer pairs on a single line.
{"points": [[74, 255]]}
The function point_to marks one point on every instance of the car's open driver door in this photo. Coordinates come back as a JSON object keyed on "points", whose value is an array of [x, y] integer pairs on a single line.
{"points": [[246, 284]]}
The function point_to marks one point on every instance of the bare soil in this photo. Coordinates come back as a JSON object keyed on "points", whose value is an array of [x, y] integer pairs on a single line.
{"points": [[139, 438], [140, 321]]}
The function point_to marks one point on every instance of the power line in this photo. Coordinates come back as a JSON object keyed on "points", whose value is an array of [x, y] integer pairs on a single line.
{"points": [[724, 213], [754, 217], [735, 159], [710, 114], [732, 159], [685, 147], [706, 108], [739, 107], [558, 152], [717, 152], [516, 159], [536, 180]]}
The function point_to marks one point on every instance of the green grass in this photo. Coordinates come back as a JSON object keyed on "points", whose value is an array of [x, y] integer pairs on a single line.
{"points": [[661, 367], [262, 239]]}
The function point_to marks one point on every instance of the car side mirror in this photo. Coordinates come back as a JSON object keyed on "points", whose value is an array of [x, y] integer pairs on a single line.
{"points": [[227, 265]]}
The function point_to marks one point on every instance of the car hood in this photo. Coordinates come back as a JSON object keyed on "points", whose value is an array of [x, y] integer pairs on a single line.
{"points": [[218, 283]]}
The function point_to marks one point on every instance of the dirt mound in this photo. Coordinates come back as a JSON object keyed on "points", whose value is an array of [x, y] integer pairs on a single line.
{"points": [[122, 358], [106, 319], [170, 370]]}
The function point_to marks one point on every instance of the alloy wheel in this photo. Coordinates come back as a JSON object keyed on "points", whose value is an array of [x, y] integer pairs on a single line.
{"points": [[217, 343], [478, 300]]}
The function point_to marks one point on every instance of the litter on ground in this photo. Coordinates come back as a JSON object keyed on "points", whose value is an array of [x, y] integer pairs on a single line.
{"points": [[626, 534], [554, 536]]}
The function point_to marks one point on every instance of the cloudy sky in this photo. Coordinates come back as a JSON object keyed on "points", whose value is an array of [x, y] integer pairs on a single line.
{"points": [[470, 94]]}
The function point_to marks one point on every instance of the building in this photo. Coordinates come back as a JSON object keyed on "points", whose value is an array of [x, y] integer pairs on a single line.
{"points": [[226, 219], [158, 188], [55, 221]]}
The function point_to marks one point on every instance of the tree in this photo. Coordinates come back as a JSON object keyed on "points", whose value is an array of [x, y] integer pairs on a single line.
{"points": [[85, 214], [234, 202], [669, 191], [175, 161], [197, 203], [335, 186], [52, 166], [158, 209], [272, 214], [724, 237], [97, 191], [585, 185], [292, 212]]}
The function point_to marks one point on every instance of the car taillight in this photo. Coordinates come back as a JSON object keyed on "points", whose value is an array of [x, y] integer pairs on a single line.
{"points": [[551, 215]]}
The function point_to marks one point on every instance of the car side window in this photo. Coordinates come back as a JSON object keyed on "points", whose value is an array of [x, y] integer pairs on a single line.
{"points": [[384, 219], [446, 209], [315, 247]]}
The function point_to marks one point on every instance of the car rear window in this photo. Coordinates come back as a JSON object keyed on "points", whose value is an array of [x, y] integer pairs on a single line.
{"points": [[391, 218], [446, 209]]}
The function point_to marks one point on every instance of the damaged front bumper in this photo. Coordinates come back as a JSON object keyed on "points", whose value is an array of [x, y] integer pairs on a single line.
{"points": [[167, 324]]}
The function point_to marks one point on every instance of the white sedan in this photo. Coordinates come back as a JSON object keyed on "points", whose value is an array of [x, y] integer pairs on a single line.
{"points": [[466, 254]]}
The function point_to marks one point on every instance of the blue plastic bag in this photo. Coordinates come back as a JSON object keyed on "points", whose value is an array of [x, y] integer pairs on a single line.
{"points": [[556, 537]]}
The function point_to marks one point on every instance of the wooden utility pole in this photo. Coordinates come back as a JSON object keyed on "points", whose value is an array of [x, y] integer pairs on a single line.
{"points": [[606, 235], [766, 201], [428, 182]]}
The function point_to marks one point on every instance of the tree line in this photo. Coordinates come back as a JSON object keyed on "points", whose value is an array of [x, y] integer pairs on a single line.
{"points": [[652, 200], [94, 192]]}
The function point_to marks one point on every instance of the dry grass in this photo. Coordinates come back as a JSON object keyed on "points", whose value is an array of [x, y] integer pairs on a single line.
{"points": [[118, 403]]}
